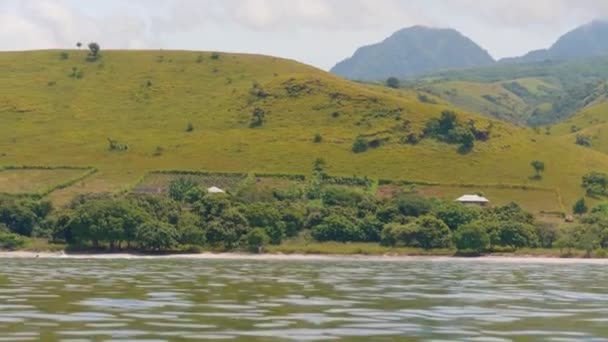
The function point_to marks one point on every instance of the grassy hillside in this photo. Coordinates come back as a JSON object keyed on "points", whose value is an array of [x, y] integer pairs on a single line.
{"points": [[591, 123], [530, 94], [61, 110]]}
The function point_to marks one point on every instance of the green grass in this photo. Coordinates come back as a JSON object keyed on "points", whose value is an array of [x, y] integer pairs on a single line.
{"points": [[34, 181], [145, 101]]}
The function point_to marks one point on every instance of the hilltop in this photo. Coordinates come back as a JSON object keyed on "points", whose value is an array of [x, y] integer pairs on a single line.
{"points": [[412, 51], [131, 112]]}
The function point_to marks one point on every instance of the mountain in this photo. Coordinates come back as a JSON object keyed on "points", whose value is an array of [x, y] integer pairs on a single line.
{"points": [[410, 52], [131, 112], [588, 40]]}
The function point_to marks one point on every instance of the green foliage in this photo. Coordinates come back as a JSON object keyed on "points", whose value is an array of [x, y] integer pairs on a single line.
{"points": [[538, 167], [257, 117], [471, 238], [410, 205], [93, 52], [393, 82], [156, 236], [189, 127], [511, 234], [580, 207], [106, 223], [455, 214], [256, 239], [317, 138], [215, 55], [180, 187], [425, 232], [64, 55], [360, 145], [337, 228], [10, 241], [267, 216], [583, 140], [596, 184], [114, 145], [449, 130]]}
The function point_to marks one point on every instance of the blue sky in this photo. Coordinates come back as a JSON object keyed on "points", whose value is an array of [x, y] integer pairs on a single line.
{"points": [[317, 32]]}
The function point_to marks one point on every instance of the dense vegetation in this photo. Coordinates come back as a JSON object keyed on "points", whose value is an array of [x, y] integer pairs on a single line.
{"points": [[190, 219]]}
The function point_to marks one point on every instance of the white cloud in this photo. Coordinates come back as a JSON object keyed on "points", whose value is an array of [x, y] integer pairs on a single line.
{"points": [[314, 31]]}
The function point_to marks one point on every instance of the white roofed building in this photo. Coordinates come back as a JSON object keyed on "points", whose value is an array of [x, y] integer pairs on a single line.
{"points": [[473, 200], [215, 190]]}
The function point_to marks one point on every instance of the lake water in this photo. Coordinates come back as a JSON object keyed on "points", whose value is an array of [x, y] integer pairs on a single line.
{"points": [[258, 300]]}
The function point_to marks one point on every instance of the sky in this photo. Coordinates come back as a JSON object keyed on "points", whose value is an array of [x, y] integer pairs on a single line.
{"points": [[316, 32]]}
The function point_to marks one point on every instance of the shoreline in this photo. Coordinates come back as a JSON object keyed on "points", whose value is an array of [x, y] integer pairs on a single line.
{"points": [[302, 257]]}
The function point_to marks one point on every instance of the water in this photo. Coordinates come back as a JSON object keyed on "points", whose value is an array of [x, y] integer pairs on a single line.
{"points": [[256, 300]]}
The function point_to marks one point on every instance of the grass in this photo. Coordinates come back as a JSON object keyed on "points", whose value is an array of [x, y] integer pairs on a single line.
{"points": [[32, 181], [145, 99]]}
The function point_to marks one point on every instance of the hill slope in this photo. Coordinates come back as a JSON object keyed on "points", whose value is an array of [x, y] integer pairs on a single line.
{"points": [[588, 40], [533, 94], [413, 51], [61, 110]]}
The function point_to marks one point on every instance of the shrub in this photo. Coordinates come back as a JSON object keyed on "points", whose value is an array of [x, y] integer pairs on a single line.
{"points": [[580, 207], [360, 145], [317, 138], [11, 241], [471, 238], [215, 55], [64, 55], [257, 117], [393, 82], [583, 140], [256, 239], [596, 184], [189, 127], [114, 145]]}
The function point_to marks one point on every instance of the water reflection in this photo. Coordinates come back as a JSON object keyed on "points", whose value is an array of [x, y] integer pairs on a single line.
{"points": [[356, 300]]}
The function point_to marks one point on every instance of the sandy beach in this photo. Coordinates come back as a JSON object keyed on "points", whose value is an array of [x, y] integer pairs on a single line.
{"points": [[304, 257]]}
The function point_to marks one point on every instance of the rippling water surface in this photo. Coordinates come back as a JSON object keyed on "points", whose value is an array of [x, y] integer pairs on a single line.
{"points": [[256, 300]]}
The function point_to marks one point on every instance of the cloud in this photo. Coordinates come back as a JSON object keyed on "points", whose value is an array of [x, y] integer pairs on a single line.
{"points": [[293, 28]]}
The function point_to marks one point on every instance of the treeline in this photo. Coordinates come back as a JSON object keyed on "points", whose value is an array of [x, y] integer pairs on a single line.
{"points": [[190, 219]]}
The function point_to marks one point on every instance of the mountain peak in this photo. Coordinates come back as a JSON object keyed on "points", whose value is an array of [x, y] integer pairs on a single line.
{"points": [[413, 51]]}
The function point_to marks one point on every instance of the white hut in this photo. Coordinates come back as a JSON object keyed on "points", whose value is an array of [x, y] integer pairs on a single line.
{"points": [[215, 190], [473, 200]]}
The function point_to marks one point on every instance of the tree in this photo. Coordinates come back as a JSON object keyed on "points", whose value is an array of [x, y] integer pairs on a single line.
{"points": [[455, 214], [539, 167], [256, 239], [94, 49], [337, 228], [580, 207], [511, 234], [596, 183], [425, 232], [411, 205], [156, 236], [267, 216], [393, 82], [360, 145], [79, 45], [180, 187], [471, 238]]}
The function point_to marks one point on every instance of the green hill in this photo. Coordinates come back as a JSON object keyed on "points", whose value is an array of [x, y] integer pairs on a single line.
{"points": [[58, 109], [530, 94]]}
